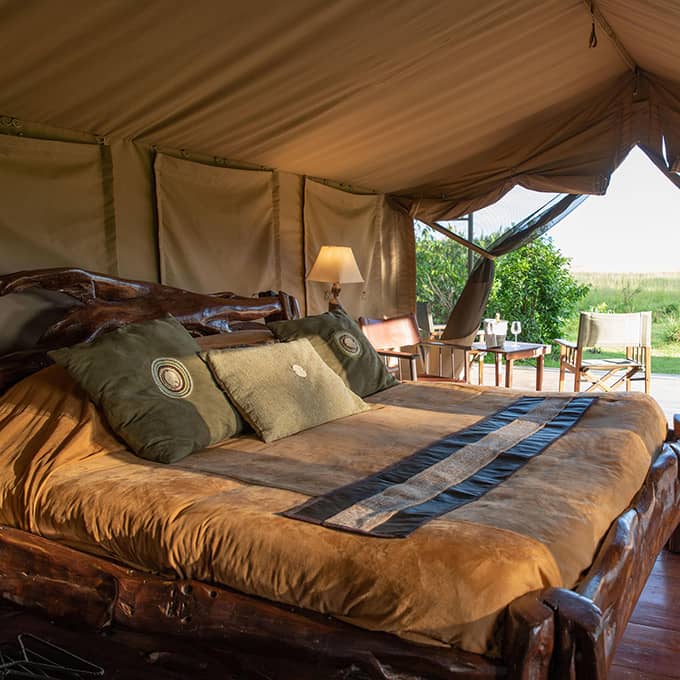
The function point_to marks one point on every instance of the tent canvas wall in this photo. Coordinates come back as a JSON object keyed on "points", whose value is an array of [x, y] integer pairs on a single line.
{"points": [[183, 142], [192, 222]]}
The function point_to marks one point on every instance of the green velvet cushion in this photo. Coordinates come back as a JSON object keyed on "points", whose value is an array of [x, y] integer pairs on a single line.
{"points": [[343, 346], [283, 388], [153, 388]]}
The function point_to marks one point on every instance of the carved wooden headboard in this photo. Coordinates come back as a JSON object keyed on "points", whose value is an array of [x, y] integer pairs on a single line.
{"points": [[102, 303]]}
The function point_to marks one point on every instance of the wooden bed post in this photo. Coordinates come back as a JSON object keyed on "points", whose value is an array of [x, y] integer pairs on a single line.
{"points": [[673, 544]]}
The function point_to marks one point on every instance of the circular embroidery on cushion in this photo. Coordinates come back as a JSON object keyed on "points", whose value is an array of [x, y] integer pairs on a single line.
{"points": [[172, 377], [347, 344]]}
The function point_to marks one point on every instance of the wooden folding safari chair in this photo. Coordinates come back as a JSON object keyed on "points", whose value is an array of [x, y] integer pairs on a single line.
{"points": [[632, 332]]}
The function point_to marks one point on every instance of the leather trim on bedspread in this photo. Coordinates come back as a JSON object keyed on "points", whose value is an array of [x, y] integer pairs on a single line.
{"points": [[432, 482]]}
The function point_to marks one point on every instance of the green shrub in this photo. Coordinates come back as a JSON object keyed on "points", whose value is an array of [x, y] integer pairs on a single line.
{"points": [[534, 285], [673, 331]]}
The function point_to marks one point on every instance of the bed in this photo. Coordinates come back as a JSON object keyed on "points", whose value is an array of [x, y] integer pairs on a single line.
{"points": [[226, 546]]}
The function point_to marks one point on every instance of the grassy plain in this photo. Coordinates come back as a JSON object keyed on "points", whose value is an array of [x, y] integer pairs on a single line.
{"points": [[658, 293]]}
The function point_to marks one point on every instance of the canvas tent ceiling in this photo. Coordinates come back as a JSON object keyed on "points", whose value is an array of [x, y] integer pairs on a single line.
{"points": [[424, 98], [205, 125]]}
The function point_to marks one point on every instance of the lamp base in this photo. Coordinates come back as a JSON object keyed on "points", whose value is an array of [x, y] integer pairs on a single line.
{"points": [[333, 301]]}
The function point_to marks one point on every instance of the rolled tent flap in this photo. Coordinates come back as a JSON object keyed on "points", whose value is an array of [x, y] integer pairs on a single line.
{"points": [[381, 239], [56, 207], [216, 227], [466, 315]]}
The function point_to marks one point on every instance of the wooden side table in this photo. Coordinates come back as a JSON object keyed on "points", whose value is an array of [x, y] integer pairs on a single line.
{"points": [[511, 352]]}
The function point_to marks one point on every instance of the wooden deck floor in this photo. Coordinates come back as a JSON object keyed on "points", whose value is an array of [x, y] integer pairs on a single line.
{"points": [[649, 650], [650, 647], [665, 388]]}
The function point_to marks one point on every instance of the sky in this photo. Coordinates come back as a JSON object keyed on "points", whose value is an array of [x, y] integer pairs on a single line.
{"points": [[635, 227]]}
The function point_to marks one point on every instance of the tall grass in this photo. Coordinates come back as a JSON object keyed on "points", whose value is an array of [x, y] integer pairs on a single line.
{"points": [[659, 293]]}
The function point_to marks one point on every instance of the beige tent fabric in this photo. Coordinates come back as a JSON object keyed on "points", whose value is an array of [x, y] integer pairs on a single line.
{"points": [[383, 243], [445, 104], [339, 218], [133, 194], [136, 230], [216, 227], [649, 32], [56, 206], [398, 262], [665, 98], [448, 101], [289, 208], [384, 95], [571, 152], [135, 204]]}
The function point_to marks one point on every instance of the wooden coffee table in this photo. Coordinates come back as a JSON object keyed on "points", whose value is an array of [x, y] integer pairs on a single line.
{"points": [[511, 352]]}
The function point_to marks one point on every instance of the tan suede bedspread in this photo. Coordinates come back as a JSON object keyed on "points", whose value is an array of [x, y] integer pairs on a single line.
{"points": [[63, 475]]}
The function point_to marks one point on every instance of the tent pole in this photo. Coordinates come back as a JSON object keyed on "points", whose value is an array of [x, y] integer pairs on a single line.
{"points": [[459, 239]]}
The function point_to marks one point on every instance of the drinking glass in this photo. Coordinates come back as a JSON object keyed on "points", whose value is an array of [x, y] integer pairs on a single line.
{"points": [[516, 329]]}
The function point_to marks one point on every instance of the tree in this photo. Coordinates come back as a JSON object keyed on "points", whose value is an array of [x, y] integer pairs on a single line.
{"points": [[441, 272], [533, 285]]}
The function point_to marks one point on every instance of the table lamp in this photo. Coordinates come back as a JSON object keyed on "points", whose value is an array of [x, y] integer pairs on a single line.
{"points": [[335, 265]]}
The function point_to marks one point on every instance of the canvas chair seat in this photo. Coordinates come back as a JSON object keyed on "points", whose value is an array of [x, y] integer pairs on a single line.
{"points": [[630, 331], [605, 364]]}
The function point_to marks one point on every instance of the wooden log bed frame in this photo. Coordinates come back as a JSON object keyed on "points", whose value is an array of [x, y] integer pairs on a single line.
{"points": [[555, 632]]}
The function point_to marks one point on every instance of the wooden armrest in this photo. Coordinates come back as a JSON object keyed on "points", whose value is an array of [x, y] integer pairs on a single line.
{"points": [[566, 343], [444, 343], [398, 355]]}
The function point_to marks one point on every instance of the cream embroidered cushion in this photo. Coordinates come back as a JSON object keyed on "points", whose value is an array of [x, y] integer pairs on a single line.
{"points": [[283, 388]]}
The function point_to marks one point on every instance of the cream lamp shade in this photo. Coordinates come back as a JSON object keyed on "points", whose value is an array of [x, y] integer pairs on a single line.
{"points": [[336, 265]]}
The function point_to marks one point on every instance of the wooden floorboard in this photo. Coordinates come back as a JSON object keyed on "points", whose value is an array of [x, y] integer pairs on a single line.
{"points": [[623, 673], [665, 388], [649, 649]]}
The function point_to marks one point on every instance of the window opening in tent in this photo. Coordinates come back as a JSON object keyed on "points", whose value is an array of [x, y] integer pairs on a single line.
{"points": [[624, 245], [465, 226], [439, 257]]}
